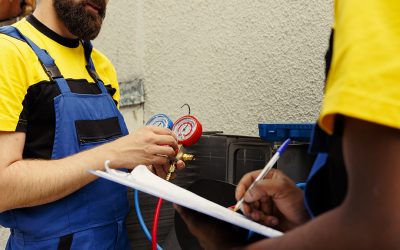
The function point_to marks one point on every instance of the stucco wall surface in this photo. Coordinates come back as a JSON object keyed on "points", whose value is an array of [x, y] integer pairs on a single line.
{"points": [[237, 63], [4, 233], [119, 37]]}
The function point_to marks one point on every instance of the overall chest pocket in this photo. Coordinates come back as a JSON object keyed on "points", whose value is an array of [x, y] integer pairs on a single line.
{"points": [[92, 133]]}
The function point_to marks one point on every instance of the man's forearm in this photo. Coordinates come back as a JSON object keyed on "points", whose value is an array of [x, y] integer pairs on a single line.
{"points": [[336, 229], [26, 183], [324, 232]]}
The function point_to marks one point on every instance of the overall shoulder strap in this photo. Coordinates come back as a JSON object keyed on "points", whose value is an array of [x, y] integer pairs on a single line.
{"points": [[11, 31], [88, 48]]}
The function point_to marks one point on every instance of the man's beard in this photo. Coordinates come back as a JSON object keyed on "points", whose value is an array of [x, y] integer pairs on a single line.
{"points": [[79, 21]]}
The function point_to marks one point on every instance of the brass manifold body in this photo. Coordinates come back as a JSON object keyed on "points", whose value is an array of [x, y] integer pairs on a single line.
{"points": [[181, 155]]}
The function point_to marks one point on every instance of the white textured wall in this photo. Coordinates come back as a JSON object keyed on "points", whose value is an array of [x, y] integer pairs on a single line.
{"points": [[236, 62], [121, 38], [4, 233]]}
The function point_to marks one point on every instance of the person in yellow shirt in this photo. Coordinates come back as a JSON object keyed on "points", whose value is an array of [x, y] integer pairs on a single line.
{"points": [[351, 196]]}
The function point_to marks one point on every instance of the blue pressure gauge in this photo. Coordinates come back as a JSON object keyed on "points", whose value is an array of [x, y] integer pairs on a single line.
{"points": [[160, 120]]}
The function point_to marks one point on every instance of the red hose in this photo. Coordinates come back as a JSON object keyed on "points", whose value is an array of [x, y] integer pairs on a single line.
{"points": [[155, 224]]}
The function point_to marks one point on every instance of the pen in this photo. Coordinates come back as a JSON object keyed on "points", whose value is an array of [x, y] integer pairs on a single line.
{"points": [[265, 171]]}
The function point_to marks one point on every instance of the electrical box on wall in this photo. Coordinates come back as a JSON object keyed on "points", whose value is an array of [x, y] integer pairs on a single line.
{"points": [[132, 92]]}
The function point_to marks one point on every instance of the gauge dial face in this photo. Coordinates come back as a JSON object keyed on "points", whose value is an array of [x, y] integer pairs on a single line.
{"points": [[184, 128], [160, 120], [188, 130]]}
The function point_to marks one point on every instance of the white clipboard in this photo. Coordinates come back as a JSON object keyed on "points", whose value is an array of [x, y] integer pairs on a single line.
{"points": [[143, 180]]}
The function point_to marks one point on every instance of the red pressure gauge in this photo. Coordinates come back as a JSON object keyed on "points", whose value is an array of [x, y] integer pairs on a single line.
{"points": [[188, 130]]}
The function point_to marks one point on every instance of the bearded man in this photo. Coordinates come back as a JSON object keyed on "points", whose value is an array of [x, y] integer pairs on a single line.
{"points": [[59, 118]]}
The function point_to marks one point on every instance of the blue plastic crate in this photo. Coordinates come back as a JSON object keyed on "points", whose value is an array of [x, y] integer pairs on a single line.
{"points": [[275, 132]]}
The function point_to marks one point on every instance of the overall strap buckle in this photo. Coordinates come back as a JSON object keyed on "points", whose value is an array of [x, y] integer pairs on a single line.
{"points": [[52, 71], [92, 73]]}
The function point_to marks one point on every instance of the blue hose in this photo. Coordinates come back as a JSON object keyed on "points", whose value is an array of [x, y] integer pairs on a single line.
{"points": [[140, 218]]}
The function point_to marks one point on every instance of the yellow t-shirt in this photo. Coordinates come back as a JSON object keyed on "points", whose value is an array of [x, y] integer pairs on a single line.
{"points": [[21, 70], [26, 92], [364, 79]]}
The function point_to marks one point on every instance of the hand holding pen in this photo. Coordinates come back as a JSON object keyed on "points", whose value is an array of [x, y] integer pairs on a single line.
{"points": [[275, 202], [265, 171]]}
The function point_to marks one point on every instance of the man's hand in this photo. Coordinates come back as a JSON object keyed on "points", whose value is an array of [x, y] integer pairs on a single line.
{"points": [[274, 201], [149, 145], [162, 171]]}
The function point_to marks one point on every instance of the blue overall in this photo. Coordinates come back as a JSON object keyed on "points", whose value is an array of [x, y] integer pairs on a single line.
{"points": [[327, 182], [92, 217]]}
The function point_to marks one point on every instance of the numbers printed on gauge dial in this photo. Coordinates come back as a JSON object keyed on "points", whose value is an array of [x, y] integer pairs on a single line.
{"points": [[188, 130], [185, 129]]}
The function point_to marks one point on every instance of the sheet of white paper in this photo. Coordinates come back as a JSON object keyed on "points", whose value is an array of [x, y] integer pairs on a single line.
{"points": [[144, 180]]}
